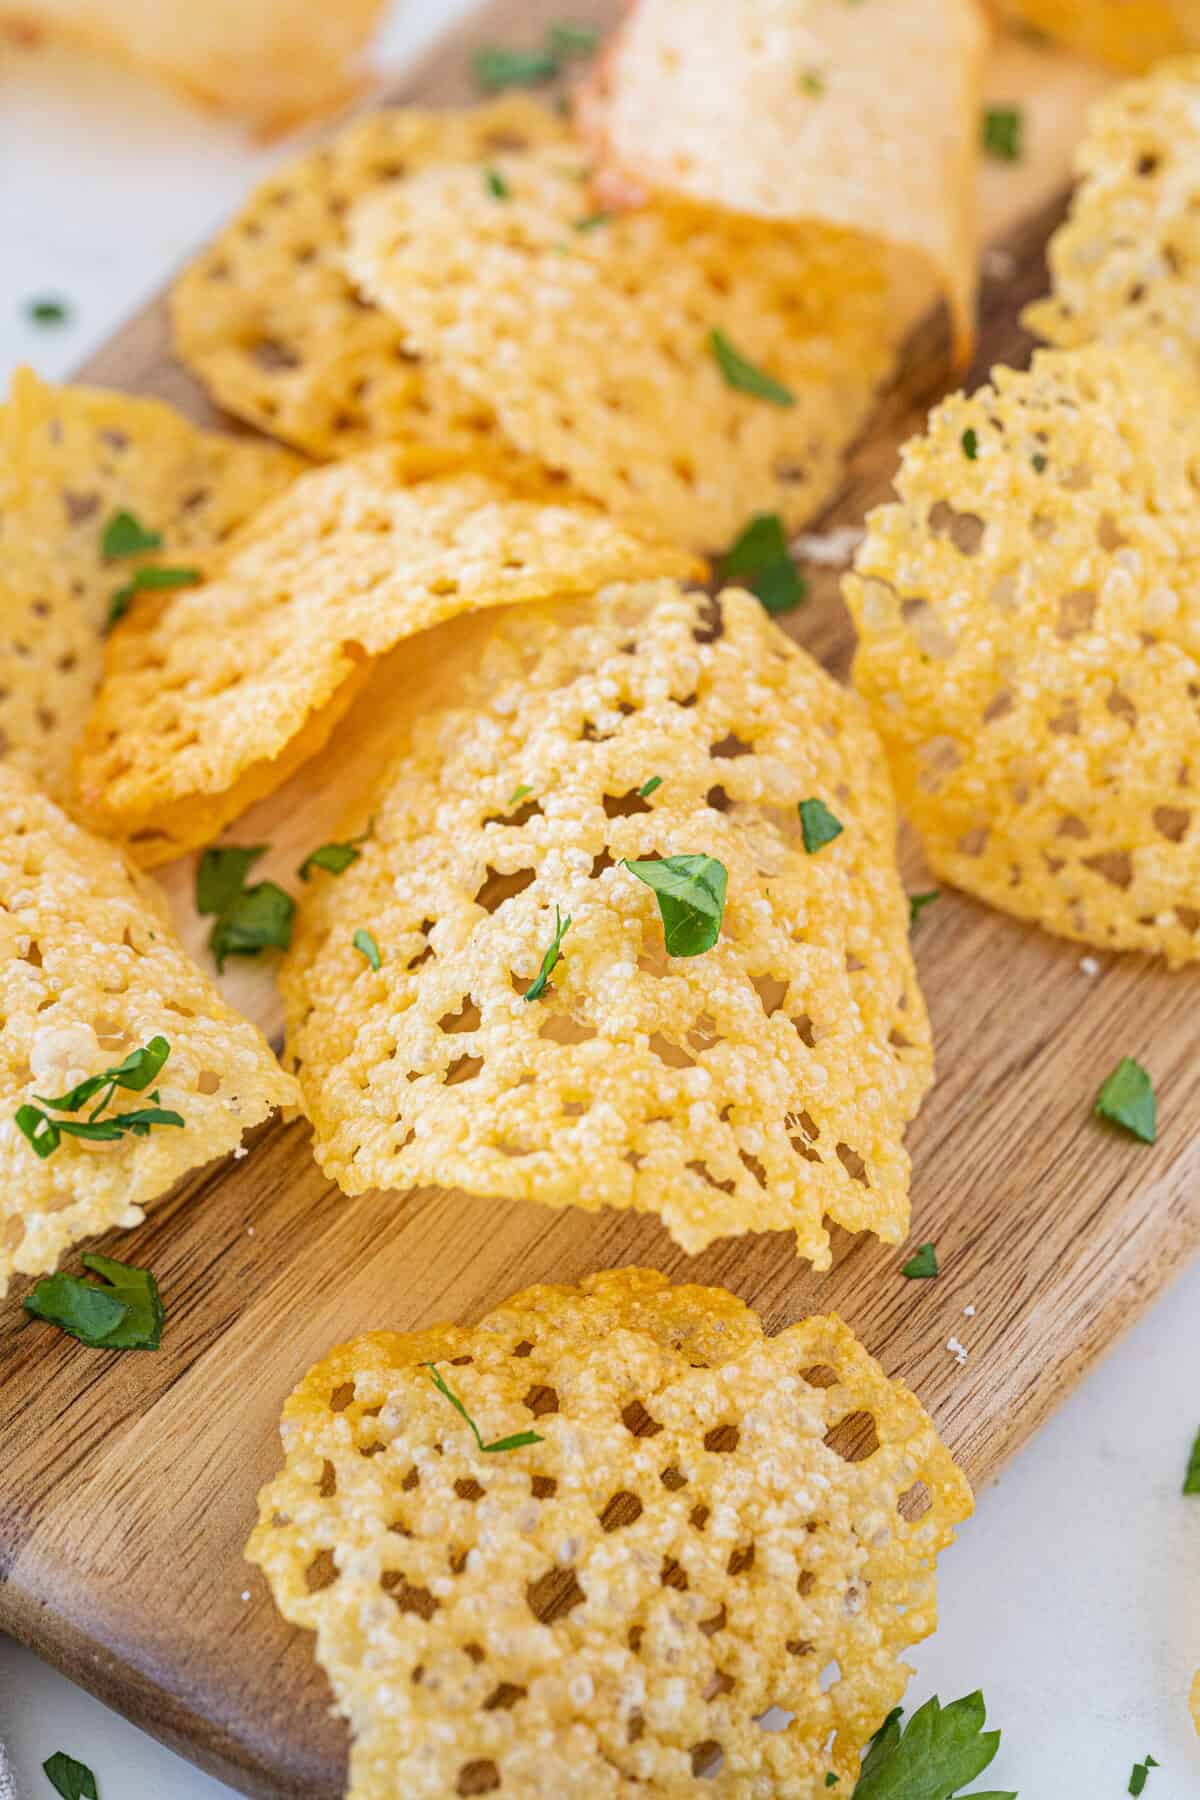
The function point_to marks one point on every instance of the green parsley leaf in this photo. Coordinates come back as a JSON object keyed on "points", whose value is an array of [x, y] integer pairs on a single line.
{"points": [[1001, 133], [124, 535], [143, 581], [1140, 1772], [517, 1441], [518, 794], [258, 918], [831, 1779], [812, 82], [1127, 1099], [365, 944], [1191, 1481], [923, 1266], [690, 891], [124, 1314], [918, 902], [73, 1780], [592, 221], [759, 557], [335, 859], [970, 443], [933, 1757], [221, 874], [45, 1134], [537, 986], [566, 40], [818, 826], [134, 1074], [496, 185], [48, 311], [496, 68], [745, 376], [1039, 462], [650, 787]]}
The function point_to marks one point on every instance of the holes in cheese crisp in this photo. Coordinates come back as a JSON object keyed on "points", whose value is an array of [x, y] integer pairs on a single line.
{"points": [[820, 1375], [207, 1081], [973, 842], [673, 1055], [273, 355], [543, 1487], [717, 1622], [321, 1572], [805, 1030], [672, 1479], [914, 1502], [854, 1437], [964, 529], [496, 888], [741, 1559], [341, 1397], [553, 1595], [1109, 536], [410, 1597], [710, 622], [519, 815], [853, 1164], [771, 990], [478, 1777], [624, 806], [638, 1422], [467, 1488], [672, 1574], [541, 1399], [1171, 822], [931, 635], [937, 758], [718, 799], [707, 1758], [327, 1486], [1113, 866], [464, 1068], [1071, 826], [622, 1509], [730, 746], [465, 1019], [723, 1439], [1121, 707], [561, 1028], [701, 1168], [1076, 612], [504, 1697], [755, 1167]]}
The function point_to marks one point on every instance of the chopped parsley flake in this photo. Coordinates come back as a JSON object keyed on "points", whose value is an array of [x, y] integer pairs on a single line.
{"points": [[1127, 1099], [257, 918], [1002, 133], [537, 986], [123, 1314], [496, 185], [831, 1779], [818, 826], [1140, 1772], [1191, 1480], [592, 221], [73, 1780], [144, 580], [221, 874], [518, 794], [918, 902], [923, 1266], [1038, 461], [970, 443], [48, 311], [759, 556], [690, 891], [650, 787], [745, 376], [497, 68], [335, 859], [517, 1441], [812, 82], [124, 535], [366, 946]]}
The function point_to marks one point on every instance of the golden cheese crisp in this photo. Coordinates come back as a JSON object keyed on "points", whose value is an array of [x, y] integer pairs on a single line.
{"points": [[1029, 638], [1126, 34], [71, 459], [806, 113], [1126, 264], [211, 703], [1194, 1700], [761, 1085], [711, 1524], [592, 337], [273, 62], [269, 321], [91, 971]]}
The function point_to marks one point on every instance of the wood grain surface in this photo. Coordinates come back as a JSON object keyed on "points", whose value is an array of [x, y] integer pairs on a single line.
{"points": [[127, 1483]]}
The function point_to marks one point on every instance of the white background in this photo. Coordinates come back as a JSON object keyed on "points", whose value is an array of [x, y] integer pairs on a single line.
{"points": [[1073, 1597]]}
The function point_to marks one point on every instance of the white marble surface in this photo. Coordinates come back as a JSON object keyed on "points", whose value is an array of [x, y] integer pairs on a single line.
{"points": [[1073, 1598]]}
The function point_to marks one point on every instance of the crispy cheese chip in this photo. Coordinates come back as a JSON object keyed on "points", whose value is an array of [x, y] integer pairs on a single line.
{"points": [[70, 459], [807, 113], [759, 1086], [1125, 267], [710, 1520], [273, 62], [1028, 643], [269, 321], [213, 702], [591, 336], [91, 970], [1126, 34], [1194, 1700]]}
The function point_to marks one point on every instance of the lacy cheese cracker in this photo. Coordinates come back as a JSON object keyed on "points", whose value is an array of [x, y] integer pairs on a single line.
{"points": [[71, 459], [1029, 642], [90, 971], [807, 113], [1126, 34], [273, 62], [213, 702], [711, 1524], [760, 1085], [269, 321], [1125, 266], [685, 368]]}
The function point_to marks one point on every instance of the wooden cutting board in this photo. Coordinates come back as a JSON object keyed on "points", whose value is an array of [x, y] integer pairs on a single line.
{"points": [[127, 1483]]}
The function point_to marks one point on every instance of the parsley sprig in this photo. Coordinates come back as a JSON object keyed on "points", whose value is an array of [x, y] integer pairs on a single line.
{"points": [[335, 858], [122, 1311], [517, 1441], [553, 956], [133, 1075], [247, 919], [690, 891], [933, 1757]]}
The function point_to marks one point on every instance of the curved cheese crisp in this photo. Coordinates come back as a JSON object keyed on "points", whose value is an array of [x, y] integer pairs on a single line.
{"points": [[760, 1085], [710, 1524]]}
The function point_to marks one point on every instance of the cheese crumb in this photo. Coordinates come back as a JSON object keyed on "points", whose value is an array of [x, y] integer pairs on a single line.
{"points": [[833, 548], [958, 1351], [968, 1312], [1089, 965]]}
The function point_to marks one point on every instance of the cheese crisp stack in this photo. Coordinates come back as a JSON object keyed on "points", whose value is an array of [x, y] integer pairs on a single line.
{"points": [[72, 460], [729, 1033], [212, 701], [91, 974], [578, 1550], [1029, 643]]}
